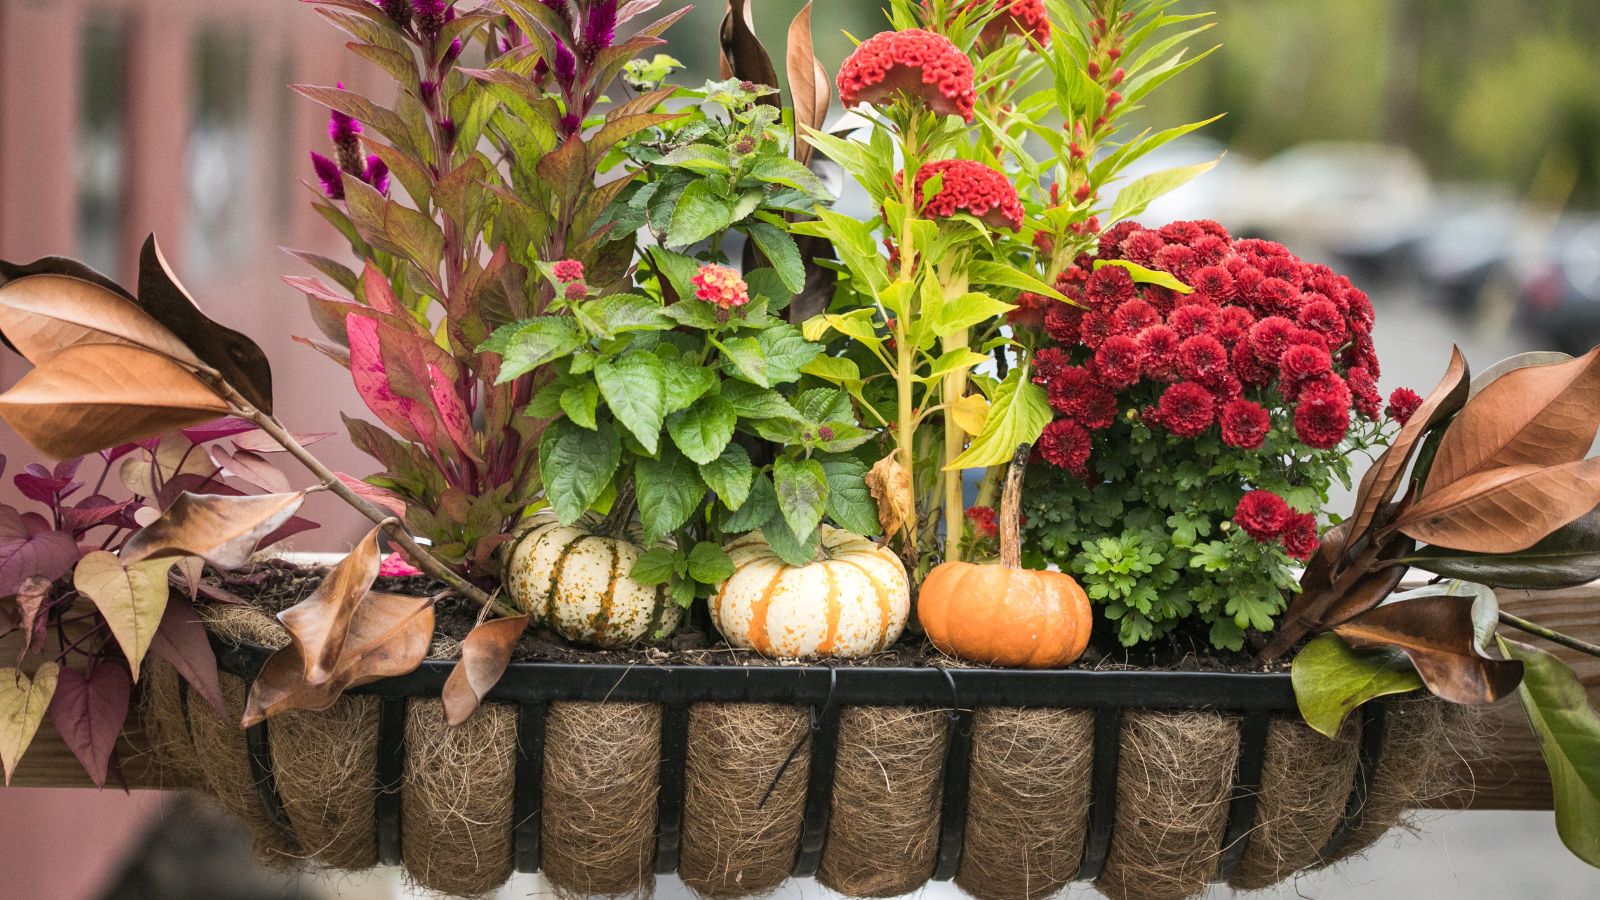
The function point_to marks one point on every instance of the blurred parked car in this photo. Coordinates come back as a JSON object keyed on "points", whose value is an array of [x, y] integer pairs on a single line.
{"points": [[1366, 204], [1560, 287], [1470, 246]]}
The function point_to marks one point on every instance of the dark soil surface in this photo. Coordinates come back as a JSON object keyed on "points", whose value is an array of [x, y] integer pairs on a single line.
{"points": [[274, 586]]}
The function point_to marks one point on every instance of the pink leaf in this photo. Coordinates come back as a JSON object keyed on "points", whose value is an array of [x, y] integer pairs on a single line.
{"points": [[386, 500], [379, 295], [27, 550], [180, 639], [261, 442], [250, 468], [452, 411], [395, 565], [88, 714], [372, 378], [227, 426]]}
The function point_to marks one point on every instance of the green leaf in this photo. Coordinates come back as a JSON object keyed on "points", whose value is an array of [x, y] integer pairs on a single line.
{"points": [[786, 350], [955, 360], [686, 382], [758, 508], [1331, 680], [1002, 275], [967, 311], [753, 402], [1138, 194], [730, 476], [1018, 412], [579, 402], [795, 551], [850, 504], [622, 313], [785, 171], [1142, 275], [658, 565], [781, 250], [576, 464], [709, 564], [669, 489], [529, 344], [836, 369], [746, 356], [802, 489], [1568, 730], [824, 405], [678, 269], [701, 212], [704, 429], [699, 158], [635, 388]]}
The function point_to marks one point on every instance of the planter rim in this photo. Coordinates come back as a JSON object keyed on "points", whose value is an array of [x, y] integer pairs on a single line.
{"points": [[532, 686]]}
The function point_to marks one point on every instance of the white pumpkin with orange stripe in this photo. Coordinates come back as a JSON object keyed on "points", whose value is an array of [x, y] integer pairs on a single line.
{"points": [[574, 578], [851, 601]]}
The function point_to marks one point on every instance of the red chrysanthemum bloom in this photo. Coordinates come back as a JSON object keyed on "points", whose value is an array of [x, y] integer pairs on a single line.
{"points": [[1176, 259], [972, 187], [722, 286], [1142, 246], [1364, 391], [1025, 18], [1246, 280], [1094, 330], [1119, 361], [1270, 338], [915, 62], [1244, 424], [1182, 232], [1213, 282], [1048, 363], [1077, 394], [1134, 316], [1299, 335], [1160, 346], [1192, 318], [1202, 358], [1108, 288], [1278, 296], [1321, 315], [1066, 445], [1262, 514], [1063, 322], [1322, 415], [568, 270], [1110, 246], [1233, 325], [1304, 361], [1249, 367], [1187, 409], [1300, 536], [1031, 310], [1403, 404], [984, 522]]}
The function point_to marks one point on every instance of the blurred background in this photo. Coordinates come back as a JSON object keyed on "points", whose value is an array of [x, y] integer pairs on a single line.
{"points": [[1445, 154]]}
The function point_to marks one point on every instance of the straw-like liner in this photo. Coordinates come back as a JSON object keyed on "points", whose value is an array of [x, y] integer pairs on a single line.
{"points": [[1305, 785], [324, 765], [455, 804]]}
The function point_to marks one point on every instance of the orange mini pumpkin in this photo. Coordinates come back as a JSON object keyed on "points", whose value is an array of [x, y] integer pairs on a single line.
{"points": [[1003, 614]]}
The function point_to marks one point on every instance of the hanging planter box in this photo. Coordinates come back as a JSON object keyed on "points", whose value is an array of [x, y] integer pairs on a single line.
{"points": [[874, 780]]}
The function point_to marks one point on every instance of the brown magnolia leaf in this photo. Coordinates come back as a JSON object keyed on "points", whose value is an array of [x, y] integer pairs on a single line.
{"points": [[1439, 636], [1319, 605], [146, 472], [809, 87], [1504, 510], [1538, 415], [484, 656], [60, 265], [96, 396], [890, 484], [320, 623], [743, 56], [388, 636], [1512, 363], [45, 314], [131, 597], [221, 529], [23, 701], [1379, 483], [236, 357]]}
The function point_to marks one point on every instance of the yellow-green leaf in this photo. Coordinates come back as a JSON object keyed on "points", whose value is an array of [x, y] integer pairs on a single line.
{"points": [[22, 705], [1568, 729], [1331, 679], [1143, 275], [1018, 413], [131, 597]]}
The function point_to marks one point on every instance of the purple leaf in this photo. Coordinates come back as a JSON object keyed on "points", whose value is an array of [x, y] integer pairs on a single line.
{"points": [[180, 639], [96, 510], [225, 427], [289, 529], [44, 486], [88, 714], [27, 550]]}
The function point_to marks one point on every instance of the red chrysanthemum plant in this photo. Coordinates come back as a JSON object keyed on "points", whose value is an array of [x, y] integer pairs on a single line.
{"points": [[916, 315]]}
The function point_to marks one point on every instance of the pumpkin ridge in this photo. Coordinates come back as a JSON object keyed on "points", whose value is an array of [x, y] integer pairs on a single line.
{"points": [[884, 609], [607, 600], [832, 602], [759, 613], [555, 579]]}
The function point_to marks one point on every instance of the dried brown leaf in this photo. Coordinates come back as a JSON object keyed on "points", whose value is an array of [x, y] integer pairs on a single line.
{"points": [[223, 530], [1439, 636], [890, 484], [743, 56], [1504, 510], [809, 88], [485, 654], [45, 314], [320, 624]]}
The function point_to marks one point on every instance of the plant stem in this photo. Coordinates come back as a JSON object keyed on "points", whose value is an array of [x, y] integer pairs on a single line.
{"points": [[1011, 510], [1554, 637], [955, 386]]}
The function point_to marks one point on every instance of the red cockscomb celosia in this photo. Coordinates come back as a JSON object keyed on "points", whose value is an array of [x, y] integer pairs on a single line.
{"points": [[1403, 404], [722, 286], [1066, 445], [1262, 514], [1031, 310], [983, 520], [1244, 424], [567, 270], [1300, 536], [970, 186], [1187, 409], [1025, 18], [915, 62]]}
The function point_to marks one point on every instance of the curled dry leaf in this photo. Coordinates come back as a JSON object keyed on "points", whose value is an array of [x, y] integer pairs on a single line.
{"points": [[223, 530], [93, 397], [1568, 557], [31, 597], [238, 359], [250, 468], [1512, 363], [388, 636], [1506, 509], [1537, 415], [809, 86], [45, 314], [88, 712], [320, 624], [23, 701], [484, 656], [890, 484], [131, 596], [1440, 636], [60, 265]]}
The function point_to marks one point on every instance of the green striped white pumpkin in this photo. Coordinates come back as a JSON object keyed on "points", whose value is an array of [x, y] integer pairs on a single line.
{"points": [[574, 578], [853, 600]]}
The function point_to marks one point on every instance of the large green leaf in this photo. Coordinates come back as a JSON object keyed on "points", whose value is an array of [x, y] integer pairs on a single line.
{"points": [[967, 311], [527, 345], [1018, 413], [1568, 730], [753, 402], [634, 386], [759, 507], [576, 464], [786, 351], [802, 488], [669, 489], [748, 359], [704, 429], [850, 504], [784, 254], [701, 212], [730, 476], [1137, 194], [1331, 680], [796, 551], [1568, 557]]}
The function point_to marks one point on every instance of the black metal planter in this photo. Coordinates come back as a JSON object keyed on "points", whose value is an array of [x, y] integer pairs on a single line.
{"points": [[530, 687]]}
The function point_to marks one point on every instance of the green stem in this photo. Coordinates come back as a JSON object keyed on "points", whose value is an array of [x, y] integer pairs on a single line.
{"points": [[1554, 637], [955, 386]]}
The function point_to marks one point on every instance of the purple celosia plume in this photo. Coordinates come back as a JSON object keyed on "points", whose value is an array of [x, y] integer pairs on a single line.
{"points": [[398, 10], [345, 132], [377, 175], [566, 65], [560, 8], [431, 16], [329, 174], [599, 27]]}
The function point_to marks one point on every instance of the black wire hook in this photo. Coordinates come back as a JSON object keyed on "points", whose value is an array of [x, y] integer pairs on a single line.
{"points": [[816, 725]]}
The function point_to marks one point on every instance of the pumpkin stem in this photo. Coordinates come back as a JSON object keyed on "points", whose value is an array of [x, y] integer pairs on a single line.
{"points": [[621, 516], [1011, 510]]}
